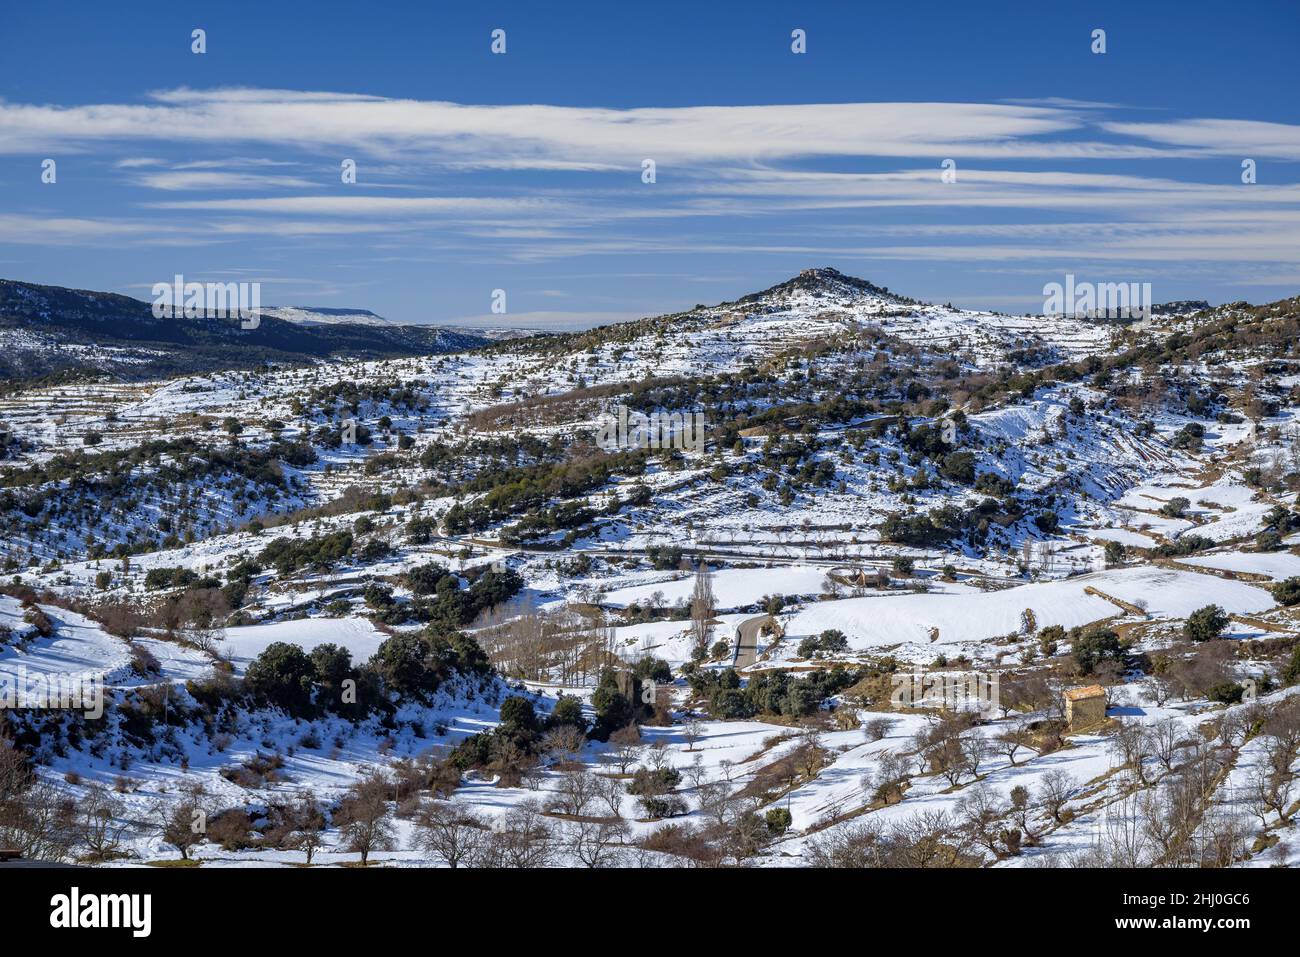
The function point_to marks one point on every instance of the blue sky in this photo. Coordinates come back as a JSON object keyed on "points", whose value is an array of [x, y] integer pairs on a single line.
{"points": [[523, 171]]}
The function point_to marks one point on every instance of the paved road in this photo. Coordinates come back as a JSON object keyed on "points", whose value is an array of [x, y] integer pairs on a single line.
{"points": [[747, 640]]}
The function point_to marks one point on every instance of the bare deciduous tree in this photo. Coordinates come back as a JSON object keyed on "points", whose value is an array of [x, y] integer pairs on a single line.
{"points": [[890, 779], [1022, 813], [1056, 788], [522, 839], [1132, 743], [696, 772], [859, 844], [975, 750], [1165, 738], [1017, 736], [598, 843], [610, 791], [305, 825], [716, 801], [626, 747], [1222, 838], [182, 824], [702, 607], [1121, 840], [577, 790], [980, 812], [692, 731], [100, 824], [564, 743], [453, 834], [1268, 791], [877, 729], [15, 771], [364, 817]]}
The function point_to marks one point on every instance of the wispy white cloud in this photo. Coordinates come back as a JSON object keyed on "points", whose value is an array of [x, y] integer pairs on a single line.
{"points": [[197, 179], [757, 165], [368, 205], [1211, 137], [1066, 102], [560, 137], [72, 230]]}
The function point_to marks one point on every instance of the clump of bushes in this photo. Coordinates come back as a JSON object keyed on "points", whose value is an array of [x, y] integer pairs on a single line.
{"points": [[829, 642]]}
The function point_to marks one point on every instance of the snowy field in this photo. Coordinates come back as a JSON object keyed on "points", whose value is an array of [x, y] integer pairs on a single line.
{"points": [[732, 587], [1276, 565], [241, 645], [892, 620]]}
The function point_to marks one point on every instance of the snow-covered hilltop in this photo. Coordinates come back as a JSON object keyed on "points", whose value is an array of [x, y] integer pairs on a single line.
{"points": [[821, 301]]}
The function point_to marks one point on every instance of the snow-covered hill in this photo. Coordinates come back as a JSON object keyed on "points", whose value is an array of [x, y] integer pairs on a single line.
{"points": [[885, 485]]}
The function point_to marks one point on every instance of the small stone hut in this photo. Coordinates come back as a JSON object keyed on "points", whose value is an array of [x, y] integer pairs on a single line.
{"points": [[1085, 707]]}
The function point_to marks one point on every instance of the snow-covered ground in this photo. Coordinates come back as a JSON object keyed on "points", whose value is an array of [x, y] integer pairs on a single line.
{"points": [[1273, 564], [241, 645], [1104, 467], [732, 587], [922, 620]]}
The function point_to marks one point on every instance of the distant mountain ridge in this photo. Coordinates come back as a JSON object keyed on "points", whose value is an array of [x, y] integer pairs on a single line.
{"points": [[51, 329], [326, 316], [497, 333]]}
